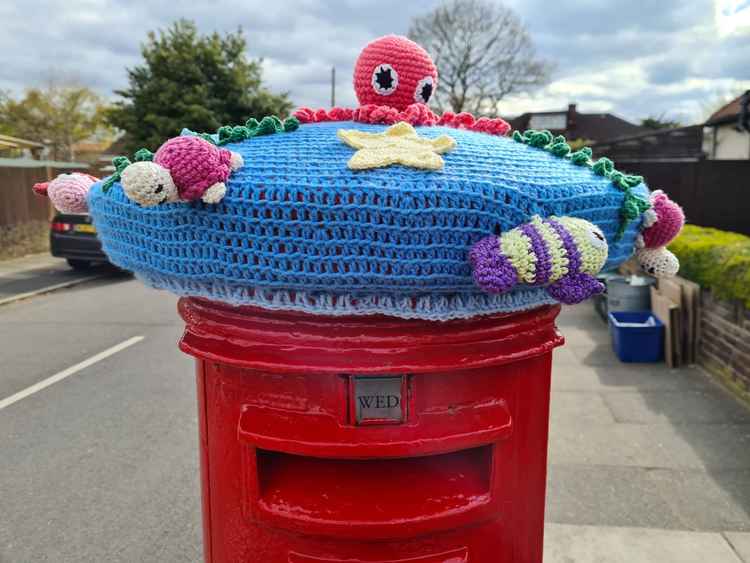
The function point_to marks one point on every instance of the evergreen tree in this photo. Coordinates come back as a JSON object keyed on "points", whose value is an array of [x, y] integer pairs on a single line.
{"points": [[659, 122], [190, 80]]}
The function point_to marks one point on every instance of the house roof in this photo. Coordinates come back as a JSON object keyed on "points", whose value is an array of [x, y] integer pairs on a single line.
{"points": [[6, 141], [31, 163], [728, 112], [590, 126], [678, 143], [600, 126]]}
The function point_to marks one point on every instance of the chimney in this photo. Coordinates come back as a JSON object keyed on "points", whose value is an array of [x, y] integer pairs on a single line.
{"points": [[571, 118]]}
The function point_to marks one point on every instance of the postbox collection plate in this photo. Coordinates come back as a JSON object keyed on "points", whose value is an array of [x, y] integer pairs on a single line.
{"points": [[378, 400]]}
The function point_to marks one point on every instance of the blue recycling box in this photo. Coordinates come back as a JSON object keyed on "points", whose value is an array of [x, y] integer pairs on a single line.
{"points": [[637, 336]]}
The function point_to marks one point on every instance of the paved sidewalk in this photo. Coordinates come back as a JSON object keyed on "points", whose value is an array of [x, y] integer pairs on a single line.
{"points": [[647, 464]]}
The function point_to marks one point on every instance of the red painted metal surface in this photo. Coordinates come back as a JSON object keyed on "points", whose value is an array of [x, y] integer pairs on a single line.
{"points": [[290, 476]]}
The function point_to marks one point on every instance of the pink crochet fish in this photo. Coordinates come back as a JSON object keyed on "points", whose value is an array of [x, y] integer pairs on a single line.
{"points": [[663, 222], [67, 192], [184, 168]]}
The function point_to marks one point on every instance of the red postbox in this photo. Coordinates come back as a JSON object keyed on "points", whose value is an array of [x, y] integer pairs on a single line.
{"points": [[371, 439]]}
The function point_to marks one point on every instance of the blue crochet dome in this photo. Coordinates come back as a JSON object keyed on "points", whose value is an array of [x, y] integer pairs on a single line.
{"points": [[298, 229]]}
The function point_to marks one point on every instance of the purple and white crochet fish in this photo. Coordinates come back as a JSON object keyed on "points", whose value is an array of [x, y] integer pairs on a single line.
{"points": [[562, 254]]}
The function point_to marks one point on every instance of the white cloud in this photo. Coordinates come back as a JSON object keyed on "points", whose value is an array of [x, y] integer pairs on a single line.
{"points": [[631, 57], [732, 16]]}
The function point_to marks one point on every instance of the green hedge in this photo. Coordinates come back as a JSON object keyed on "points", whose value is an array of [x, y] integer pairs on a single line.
{"points": [[715, 259]]}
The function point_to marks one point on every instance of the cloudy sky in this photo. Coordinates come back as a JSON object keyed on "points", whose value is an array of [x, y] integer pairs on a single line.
{"points": [[631, 57]]}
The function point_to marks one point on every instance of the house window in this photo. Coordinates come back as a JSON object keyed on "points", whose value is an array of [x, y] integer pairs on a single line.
{"points": [[554, 121]]}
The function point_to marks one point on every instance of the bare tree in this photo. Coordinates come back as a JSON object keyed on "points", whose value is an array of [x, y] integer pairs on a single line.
{"points": [[483, 53]]}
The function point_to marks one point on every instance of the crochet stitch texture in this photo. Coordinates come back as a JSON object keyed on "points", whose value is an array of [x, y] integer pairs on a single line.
{"points": [[297, 229], [394, 70], [195, 164], [669, 219], [562, 254], [67, 192], [399, 144], [658, 262]]}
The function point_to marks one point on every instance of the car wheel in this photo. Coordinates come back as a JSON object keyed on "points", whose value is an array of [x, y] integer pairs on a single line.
{"points": [[79, 264]]}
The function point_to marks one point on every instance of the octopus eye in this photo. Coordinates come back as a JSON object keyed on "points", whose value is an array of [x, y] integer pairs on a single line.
{"points": [[424, 90], [384, 80], [159, 189]]}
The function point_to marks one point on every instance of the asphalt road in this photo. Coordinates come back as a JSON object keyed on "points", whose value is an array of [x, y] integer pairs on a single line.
{"points": [[99, 443], [40, 272], [102, 465]]}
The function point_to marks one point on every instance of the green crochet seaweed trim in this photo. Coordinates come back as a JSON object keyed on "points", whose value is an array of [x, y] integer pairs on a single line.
{"points": [[252, 128], [632, 206]]}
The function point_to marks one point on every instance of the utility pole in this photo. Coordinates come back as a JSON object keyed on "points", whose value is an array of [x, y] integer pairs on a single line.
{"points": [[333, 86]]}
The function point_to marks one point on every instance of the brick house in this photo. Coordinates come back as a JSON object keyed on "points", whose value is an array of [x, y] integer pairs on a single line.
{"points": [[576, 127]]}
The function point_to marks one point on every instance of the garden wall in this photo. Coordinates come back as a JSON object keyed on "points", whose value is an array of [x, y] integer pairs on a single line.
{"points": [[724, 346]]}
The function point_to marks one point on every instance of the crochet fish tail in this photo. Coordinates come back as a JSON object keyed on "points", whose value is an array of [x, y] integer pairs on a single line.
{"points": [[575, 288], [492, 271]]}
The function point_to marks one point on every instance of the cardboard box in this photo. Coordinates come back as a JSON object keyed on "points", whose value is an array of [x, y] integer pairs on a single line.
{"points": [[669, 313], [691, 292], [686, 295]]}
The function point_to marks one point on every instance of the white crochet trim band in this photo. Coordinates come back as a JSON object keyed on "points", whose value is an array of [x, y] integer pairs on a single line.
{"points": [[433, 307]]}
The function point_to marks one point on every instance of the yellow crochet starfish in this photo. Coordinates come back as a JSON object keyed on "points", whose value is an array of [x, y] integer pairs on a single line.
{"points": [[399, 144]]}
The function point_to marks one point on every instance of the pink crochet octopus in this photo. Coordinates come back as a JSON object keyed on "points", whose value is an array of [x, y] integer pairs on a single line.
{"points": [[663, 223], [67, 192], [184, 168]]}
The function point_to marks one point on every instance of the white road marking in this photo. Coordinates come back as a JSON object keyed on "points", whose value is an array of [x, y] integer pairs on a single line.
{"points": [[68, 372], [48, 289]]}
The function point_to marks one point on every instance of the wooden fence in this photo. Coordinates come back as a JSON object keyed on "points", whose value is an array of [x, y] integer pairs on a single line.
{"points": [[684, 143], [713, 193], [24, 216], [18, 204]]}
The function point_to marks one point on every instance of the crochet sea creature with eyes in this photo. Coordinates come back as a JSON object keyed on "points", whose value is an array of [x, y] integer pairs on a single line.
{"points": [[67, 192], [663, 223], [394, 71], [186, 168], [375, 209], [148, 184], [561, 254], [394, 79]]}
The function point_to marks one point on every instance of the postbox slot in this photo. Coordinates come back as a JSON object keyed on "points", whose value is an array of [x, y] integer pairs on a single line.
{"points": [[343, 495], [320, 434]]}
